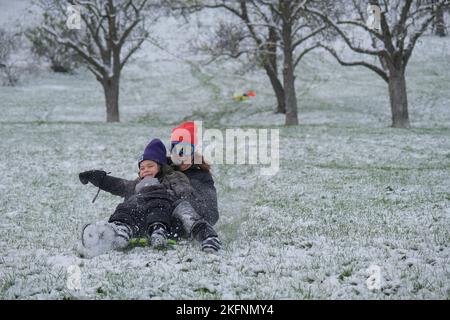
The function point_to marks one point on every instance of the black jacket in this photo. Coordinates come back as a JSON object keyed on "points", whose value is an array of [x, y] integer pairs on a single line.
{"points": [[203, 198], [140, 210]]}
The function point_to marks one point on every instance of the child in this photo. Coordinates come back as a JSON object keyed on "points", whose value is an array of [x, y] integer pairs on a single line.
{"points": [[149, 208], [204, 196]]}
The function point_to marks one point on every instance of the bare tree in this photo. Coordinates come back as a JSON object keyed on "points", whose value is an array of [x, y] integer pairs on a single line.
{"points": [[296, 28], [9, 43], [111, 32], [241, 38], [271, 25], [401, 25]]}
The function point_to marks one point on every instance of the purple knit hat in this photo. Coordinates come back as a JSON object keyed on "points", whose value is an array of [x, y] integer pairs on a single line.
{"points": [[155, 151]]}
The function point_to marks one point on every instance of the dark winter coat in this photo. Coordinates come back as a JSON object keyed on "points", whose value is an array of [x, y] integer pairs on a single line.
{"points": [[204, 196], [199, 190], [140, 210]]}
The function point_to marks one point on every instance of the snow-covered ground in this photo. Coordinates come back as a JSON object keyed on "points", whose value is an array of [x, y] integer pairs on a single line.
{"points": [[352, 195]]}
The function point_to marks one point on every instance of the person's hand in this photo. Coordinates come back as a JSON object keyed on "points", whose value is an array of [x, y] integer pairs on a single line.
{"points": [[93, 176]]}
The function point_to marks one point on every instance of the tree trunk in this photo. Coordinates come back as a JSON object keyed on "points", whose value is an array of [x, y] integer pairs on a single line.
{"points": [[290, 95], [288, 77], [440, 24], [111, 88], [398, 99], [271, 67], [277, 88]]}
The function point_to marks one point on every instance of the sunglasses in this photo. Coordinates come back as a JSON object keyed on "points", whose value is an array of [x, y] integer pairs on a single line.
{"points": [[182, 149]]}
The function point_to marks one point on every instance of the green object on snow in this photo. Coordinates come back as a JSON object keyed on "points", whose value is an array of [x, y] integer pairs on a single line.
{"points": [[144, 242]]}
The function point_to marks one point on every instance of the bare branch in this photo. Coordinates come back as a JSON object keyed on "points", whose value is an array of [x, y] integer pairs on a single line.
{"points": [[409, 49], [85, 55], [94, 33], [372, 67], [224, 6], [312, 34], [97, 75], [131, 52], [305, 52], [363, 26], [344, 36]]}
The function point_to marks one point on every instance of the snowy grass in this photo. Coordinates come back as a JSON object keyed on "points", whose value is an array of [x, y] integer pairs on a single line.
{"points": [[351, 192]]}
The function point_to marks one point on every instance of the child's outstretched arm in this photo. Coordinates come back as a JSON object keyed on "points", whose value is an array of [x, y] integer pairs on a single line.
{"points": [[116, 186]]}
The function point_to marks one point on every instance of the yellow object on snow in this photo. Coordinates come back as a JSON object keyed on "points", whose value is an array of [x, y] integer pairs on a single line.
{"points": [[240, 97]]}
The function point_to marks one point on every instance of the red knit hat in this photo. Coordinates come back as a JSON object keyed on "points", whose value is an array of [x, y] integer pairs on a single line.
{"points": [[185, 133]]}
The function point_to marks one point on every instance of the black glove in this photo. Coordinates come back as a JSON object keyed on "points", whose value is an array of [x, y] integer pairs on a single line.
{"points": [[93, 176]]}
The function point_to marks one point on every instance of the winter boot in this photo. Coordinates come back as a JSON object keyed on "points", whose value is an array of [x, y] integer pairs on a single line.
{"points": [[100, 237], [203, 232], [196, 227], [158, 235], [186, 216], [211, 244]]}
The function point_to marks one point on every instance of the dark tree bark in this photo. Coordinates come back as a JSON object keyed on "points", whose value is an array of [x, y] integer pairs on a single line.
{"points": [[288, 66], [440, 23], [398, 99], [271, 66], [111, 90], [277, 87], [296, 27]]}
